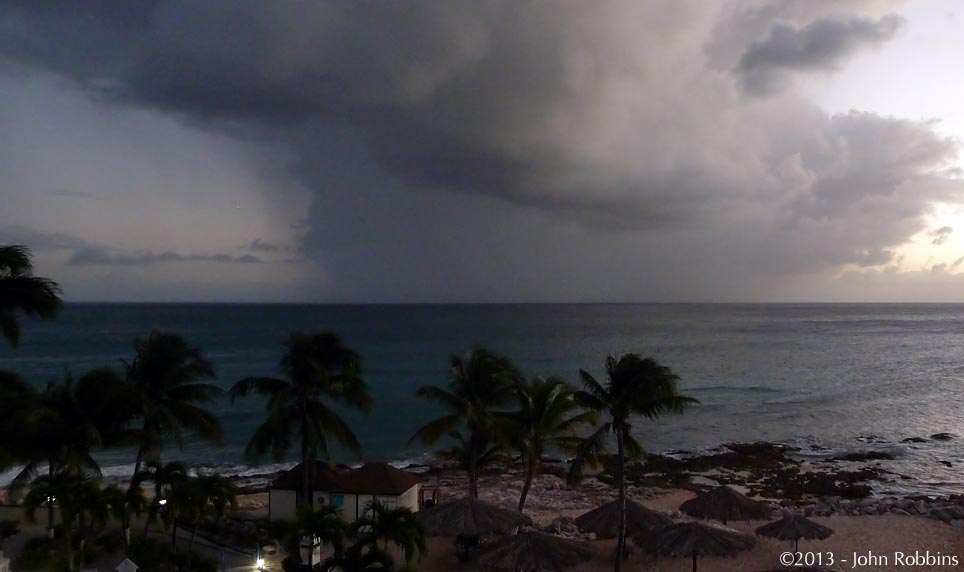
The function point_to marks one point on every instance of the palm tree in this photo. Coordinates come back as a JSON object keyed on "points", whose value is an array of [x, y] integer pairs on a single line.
{"points": [[548, 418], [318, 370], [324, 524], [479, 382], [635, 386], [63, 425], [23, 293], [211, 496], [122, 504], [397, 526], [16, 398], [72, 493], [166, 478], [165, 389]]}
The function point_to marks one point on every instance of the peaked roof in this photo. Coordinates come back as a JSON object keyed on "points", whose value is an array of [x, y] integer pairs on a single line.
{"points": [[604, 520], [724, 503], [376, 479], [323, 478], [471, 516]]}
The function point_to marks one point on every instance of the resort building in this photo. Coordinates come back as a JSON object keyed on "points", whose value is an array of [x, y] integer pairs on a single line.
{"points": [[353, 491]]}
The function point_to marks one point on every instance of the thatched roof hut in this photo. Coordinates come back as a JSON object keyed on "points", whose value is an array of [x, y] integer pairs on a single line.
{"points": [[604, 520], [695, 539], [536, 551], [794, 527], [725, 504], [471, 517]]}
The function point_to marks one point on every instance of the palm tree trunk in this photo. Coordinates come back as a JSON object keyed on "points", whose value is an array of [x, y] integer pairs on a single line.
{"points": [[50, 504], [531, 465], [473, 474], [126, 518], [147, 521], [174, 534], [190, 545], [694, 563], [68, 547], [621, 484], [306, 470]]}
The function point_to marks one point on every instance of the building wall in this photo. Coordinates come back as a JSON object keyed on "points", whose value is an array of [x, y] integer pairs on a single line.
{"points": [[409, 499], [320, 499], [282, 505]]}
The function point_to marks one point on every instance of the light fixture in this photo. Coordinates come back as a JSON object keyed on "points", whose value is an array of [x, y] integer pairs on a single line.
{"points": [[259, 563], [162, 502]]}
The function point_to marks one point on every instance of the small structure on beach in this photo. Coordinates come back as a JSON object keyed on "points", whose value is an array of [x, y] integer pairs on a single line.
{"points": [[285, 492], [353, 490], [694, 539], [471, 517], [603, 521], [536, 551], [794, 527], [725, 504]]}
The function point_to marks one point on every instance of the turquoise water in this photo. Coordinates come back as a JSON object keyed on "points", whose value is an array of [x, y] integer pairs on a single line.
{"points": [[835, 376]]}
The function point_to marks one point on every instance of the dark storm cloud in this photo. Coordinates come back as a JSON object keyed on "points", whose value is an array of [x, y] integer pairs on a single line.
{"points": [[83, 253], [96, 256], [619, 127], [821, 45]]}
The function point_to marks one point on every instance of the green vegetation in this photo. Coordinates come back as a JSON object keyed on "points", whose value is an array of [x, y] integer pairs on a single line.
{"points": [[480, 382], [23, 293], [634, 387], [488, 411], [319, 371], [548, 418]]}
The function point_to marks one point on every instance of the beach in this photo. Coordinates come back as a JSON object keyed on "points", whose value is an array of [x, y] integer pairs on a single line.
{"points": [[551, 499]]}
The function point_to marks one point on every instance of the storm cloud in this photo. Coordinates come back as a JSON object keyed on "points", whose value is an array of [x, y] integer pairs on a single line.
{"points": [[821, 45], [524, 139]]}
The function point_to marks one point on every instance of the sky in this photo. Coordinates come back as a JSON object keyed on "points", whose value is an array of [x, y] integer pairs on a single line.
{"points": [[486, 151]]}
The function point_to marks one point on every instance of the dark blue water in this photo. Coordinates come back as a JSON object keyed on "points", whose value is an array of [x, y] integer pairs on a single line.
{"points": [[827, 374]]}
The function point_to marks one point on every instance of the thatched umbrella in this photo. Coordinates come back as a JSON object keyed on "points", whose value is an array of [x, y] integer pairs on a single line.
{"points": [[695, 539], [471, 517], [794, 527], [604, 520], [723, 504], [535, 551]]}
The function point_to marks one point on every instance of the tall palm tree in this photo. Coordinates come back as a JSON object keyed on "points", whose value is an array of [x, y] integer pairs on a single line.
{"points": [[398, 526], [122, 504], [211, 496], [324, 524], [319, 370], [634, 387], [548, 418], [166, 390], [23, 293], [63, 425], [166, 478], [72, 493], [17, 397], [479, 382]]}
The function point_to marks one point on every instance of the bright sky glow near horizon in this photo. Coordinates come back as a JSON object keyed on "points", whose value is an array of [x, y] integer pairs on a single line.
{"points": [[761, 150]]}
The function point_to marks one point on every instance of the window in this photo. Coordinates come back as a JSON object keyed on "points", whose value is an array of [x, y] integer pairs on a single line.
{"points": [[387, 502], [338, 500]]}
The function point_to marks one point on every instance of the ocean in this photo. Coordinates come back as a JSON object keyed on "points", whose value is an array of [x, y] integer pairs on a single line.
{"points": [[825, 377]]}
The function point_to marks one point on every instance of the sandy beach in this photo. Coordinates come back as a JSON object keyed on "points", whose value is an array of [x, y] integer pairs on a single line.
{"points": [[551, 499]]}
